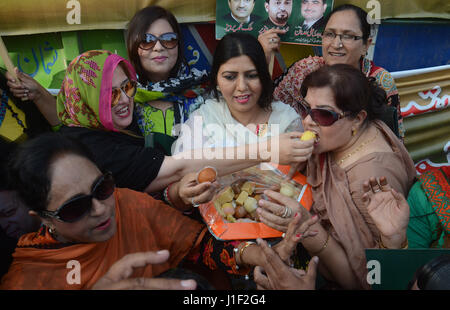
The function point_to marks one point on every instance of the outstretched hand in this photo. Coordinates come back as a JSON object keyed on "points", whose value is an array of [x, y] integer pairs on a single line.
{"points": [[118, 276], [298, 229], [388, 209], [291, 150], [271, 211], [276, 275], [192, 193]]}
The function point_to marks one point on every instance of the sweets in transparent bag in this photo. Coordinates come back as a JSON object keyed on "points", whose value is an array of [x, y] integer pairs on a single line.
{"points": [[232, 212]]}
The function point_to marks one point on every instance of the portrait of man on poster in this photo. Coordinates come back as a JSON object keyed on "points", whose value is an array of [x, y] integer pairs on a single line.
{"points": [[278, 12], [241, 12], [312, 12]]}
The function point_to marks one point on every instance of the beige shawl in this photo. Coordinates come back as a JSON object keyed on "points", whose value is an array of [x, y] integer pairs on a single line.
{"points": [[337, 196]]}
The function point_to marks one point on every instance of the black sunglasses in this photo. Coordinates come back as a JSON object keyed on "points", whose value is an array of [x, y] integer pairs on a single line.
{"points": [[322, 117], [168, 40], [74, 209]]}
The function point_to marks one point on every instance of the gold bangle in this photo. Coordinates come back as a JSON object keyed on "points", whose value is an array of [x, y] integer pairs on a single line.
{"points": [[403, 247], [406, 245], [324, 245], [241, 251]]}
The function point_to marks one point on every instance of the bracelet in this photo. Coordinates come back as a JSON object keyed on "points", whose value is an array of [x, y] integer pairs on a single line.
{"points": [[324, 245], [166, 195], [241, 251], [382, 246]]}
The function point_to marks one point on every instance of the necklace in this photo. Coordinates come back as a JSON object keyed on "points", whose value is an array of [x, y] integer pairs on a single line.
{"points": [[359, 148], [4, 106], [261, 129]]}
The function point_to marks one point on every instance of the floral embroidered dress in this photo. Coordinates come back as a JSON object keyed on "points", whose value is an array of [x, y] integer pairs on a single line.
{"points": [[288, 85], [143, 224], [429, 201]]}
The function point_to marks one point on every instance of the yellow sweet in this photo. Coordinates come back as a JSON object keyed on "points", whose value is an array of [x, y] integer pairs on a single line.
{"points": [[308, 135], [228, 208], [226, 196], [250, 204], [249, 187], [230, 218], [242, 197]]}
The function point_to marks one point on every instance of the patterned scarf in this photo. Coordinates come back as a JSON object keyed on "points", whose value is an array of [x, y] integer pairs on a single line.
{"points": [[436, 185], [184, 90], [85, 96]]}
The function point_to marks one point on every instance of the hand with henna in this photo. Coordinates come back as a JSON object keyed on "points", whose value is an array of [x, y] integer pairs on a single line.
{"points": [[388, 209]]}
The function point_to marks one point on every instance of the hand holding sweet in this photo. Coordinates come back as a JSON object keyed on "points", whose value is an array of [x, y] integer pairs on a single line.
{"points": [[193, 193], [291, 150]]}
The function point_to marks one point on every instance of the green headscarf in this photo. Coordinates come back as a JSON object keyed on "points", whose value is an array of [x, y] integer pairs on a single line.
{"points": [[85, 96]]}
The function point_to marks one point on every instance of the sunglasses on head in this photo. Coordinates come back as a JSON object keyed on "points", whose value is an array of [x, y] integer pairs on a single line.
{"points": [[168, 40], [129, 89], [74, 209], [322, 117]]}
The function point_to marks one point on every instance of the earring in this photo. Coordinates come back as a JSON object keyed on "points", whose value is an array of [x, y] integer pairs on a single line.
{"points": [[51, 230], [353, 132], [218, 88]]}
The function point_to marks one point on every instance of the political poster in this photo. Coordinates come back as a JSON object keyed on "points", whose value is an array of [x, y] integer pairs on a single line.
{"points": [[303, 20]]}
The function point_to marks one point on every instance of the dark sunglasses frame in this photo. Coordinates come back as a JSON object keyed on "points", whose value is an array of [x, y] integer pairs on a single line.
{"points": [[115, 96], [305, 110], [107, 177], [150, 40]]}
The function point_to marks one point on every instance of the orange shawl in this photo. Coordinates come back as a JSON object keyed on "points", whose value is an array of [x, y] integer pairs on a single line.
{"points": [[143, 224]]}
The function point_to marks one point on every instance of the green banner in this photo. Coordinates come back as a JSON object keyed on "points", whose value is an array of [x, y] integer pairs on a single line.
{"points": [[303, 20], [394, 269], [42, 57]]}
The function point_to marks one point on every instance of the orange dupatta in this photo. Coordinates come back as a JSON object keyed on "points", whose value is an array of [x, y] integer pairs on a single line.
{"points": [[143, 224]]}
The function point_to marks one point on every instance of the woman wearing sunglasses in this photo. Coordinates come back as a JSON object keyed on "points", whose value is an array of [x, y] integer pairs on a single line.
{"points": [[169, 90], [95, 105], [345, 40], [342, 107], [89, 224]]}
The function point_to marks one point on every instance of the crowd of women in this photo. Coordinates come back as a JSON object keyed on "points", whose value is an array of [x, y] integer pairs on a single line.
{"points": [[112, 187]]}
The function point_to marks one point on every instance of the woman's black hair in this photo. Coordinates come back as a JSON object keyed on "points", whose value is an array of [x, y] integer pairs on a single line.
{"points": [[29, 168], [6, 149], [365, 27], [137, 28], [239, 44], [35, 121], [435, 275], [353, 91]]}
